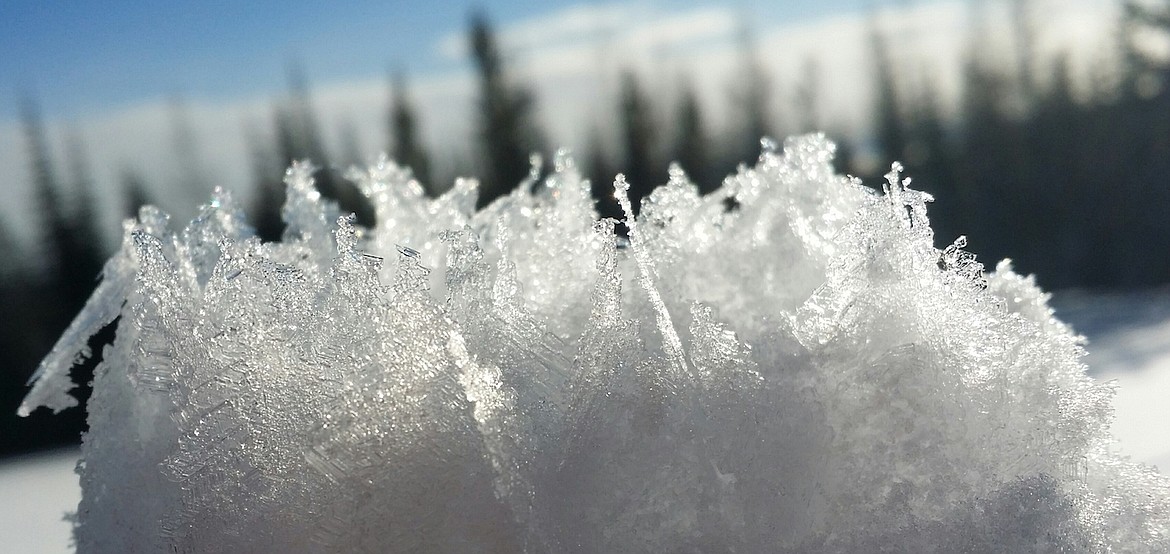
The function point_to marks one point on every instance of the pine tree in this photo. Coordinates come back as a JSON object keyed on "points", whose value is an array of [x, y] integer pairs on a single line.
{"points": [[751, 99], [299, 137], [90, 255], [134, 192], [888, 122], [45, 184], [268, 195], [406, 147], [690, 148], [74, 248], [507, 132], [638, 135], [601, 173], [930, 160], [47, 305]]}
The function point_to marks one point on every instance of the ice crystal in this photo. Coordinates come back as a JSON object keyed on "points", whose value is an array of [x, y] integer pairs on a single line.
{"points": [[784, 365]]}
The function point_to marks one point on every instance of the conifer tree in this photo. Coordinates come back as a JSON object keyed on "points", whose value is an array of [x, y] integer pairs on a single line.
{"points": [[690, 148], [74, 252], [507, 132], [406, 145], [82, 211], [889, 128], [638, 135], [601, 173], [299, 137], [134, 192], [751, 100], [268, 195]]}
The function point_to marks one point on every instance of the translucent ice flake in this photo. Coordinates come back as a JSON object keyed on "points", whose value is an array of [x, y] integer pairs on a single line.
{"points": [[787, 364], [51, 383]]}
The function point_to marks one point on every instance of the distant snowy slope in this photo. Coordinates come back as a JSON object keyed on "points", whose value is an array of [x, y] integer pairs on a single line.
{"points": [[1129, 342], [36, 493]]}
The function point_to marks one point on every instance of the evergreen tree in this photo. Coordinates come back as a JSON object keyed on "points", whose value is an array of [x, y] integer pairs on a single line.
{"points": [[91, 252], [1141, 139], [299, 137], [929, 158], [985, 168], [74, 250], [601, 173], [638, 134], [406, 146], [46, 305], [751, 101], [45, 184], [12, 266], [134, 192], [268, 195], [507, 132], [889, 129], [1024, 31], [690, 148]]}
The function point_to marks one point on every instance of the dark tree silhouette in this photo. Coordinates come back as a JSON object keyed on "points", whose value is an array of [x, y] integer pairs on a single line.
{"points": [[601, 172], [268, 192], [639, 139], [889, 129], [74, 252], [299, 137], [406, 145], [44, 302], [135, 192], [751, 100], [507, 132], [691, 147]]}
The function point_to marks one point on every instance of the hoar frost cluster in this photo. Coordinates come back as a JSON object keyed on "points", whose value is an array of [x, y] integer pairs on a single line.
{"points": [[785, 365]]}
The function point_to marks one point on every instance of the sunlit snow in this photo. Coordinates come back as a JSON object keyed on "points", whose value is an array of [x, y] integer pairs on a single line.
{"points": [[787, 364]]}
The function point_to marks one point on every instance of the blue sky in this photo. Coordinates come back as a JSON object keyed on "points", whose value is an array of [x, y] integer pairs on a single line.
{"points": [[80, 58]]}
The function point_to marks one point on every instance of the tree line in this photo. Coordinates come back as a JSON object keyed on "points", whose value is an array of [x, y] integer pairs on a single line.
{"points": [[1072, 184]]}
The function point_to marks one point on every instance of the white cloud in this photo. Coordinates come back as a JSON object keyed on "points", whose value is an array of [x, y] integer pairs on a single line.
{"points": [[583, 22]]}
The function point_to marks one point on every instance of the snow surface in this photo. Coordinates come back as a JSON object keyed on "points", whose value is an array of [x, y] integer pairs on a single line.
{"points": [[36, 493], [803, 372], [1129, 336], [1129, 343]]}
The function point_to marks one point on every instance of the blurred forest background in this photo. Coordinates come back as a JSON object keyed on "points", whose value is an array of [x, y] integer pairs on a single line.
{"points": [[1074, 185]]}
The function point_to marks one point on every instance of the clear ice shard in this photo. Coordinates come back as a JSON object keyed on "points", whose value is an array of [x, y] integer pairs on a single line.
{"points": [[787, 364]]}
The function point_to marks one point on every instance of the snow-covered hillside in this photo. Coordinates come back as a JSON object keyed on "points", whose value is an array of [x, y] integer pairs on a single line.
{"points": [[1129, 343], [36, 493]]}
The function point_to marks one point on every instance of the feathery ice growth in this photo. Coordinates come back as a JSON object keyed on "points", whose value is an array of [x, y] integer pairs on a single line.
{"points": [[784, 365]]}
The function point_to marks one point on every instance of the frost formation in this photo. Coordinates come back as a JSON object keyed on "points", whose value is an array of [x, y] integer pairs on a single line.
{"points": [[785, 365]]}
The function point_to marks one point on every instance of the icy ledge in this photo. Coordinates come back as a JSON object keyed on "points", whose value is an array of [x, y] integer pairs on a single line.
{"points": [[787, 364]]}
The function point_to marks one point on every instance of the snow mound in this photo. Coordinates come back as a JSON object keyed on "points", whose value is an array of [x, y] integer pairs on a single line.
{"points": [[787, 364]]}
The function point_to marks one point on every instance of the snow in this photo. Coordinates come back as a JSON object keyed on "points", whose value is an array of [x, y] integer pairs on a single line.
{"points": [[804, 372], [36, 492], [1129, 343]]}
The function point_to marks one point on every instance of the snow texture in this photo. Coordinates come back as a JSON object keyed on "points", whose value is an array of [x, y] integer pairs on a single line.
{"points": [[785, 365]]}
